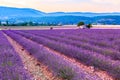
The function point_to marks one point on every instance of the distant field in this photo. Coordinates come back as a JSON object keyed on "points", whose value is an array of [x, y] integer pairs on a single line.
{"points": [[63, 54], [106, 26], [59, 27], [37, 27]]}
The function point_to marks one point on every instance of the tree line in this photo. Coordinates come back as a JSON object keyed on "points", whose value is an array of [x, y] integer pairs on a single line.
{"points": [[30, 23]]}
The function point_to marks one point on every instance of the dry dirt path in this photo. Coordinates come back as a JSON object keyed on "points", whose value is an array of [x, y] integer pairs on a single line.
{"points": [[35, 68], [39, 72]]}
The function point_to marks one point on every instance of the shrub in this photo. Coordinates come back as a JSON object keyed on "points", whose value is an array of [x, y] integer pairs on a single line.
{"points": [[51, 28]]}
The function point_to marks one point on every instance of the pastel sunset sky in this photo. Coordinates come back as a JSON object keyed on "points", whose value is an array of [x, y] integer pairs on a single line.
{"points": [[66, 5]]}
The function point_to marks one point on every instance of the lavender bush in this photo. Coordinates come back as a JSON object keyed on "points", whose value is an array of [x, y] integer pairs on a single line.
{"points": [[11, 66]]}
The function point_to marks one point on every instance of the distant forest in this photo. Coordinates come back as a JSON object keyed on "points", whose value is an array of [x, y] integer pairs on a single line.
{"points": [[60, 20]]}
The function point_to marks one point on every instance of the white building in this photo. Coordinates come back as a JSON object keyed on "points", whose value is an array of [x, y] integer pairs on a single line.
{"points": [[83, 26]]}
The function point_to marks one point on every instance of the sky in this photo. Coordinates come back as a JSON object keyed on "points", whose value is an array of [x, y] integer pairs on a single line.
{"points": [[66, 5]]}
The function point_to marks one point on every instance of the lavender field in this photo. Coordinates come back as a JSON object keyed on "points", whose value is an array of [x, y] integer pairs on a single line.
{"points": [[11, 67], [68, 54]]}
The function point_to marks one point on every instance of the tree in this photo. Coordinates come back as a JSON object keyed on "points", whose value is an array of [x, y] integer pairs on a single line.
{"points": [[89, 26], [30, 23], [80, 24], [7, 23], [0, 23]]}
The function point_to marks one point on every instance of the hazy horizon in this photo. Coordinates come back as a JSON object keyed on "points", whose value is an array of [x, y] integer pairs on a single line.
{"points": [[97, 6]]}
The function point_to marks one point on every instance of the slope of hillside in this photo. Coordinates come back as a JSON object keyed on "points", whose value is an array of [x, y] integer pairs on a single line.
{"points": [[19, 12]]}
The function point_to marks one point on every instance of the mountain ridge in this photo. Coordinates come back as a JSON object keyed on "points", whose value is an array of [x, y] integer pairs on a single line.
{"points": [[12, 11], [13, 15]]}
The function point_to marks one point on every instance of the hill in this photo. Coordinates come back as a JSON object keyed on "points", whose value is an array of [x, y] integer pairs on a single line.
{"points": [[16, 15]]}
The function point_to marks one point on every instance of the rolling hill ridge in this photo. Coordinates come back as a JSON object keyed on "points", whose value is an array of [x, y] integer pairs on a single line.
{"points": [[12, 14]]}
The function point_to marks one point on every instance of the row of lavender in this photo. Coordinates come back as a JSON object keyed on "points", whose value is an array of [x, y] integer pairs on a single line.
{"points": [[11, 67], [84, 43], [101, 38], [88, 57], [113, 54], [59, 66]]}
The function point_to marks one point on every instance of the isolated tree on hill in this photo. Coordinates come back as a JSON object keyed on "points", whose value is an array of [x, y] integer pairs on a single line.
{"points": [[80, 24]]}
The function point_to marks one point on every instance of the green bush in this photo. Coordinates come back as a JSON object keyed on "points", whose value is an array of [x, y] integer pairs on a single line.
{"points": [[80, 23]]}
